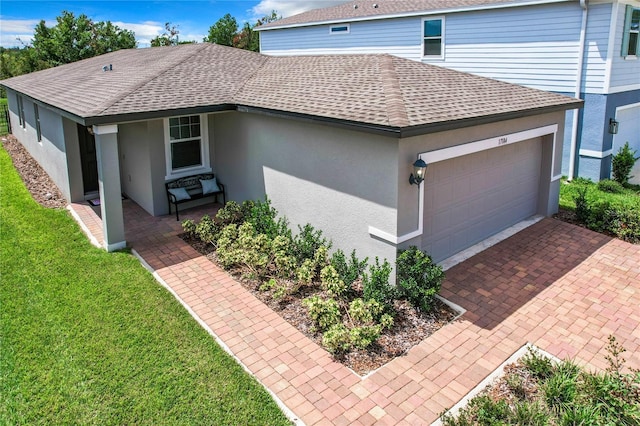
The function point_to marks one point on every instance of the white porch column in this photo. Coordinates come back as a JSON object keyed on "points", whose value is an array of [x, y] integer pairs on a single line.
{"points": [[109, 184]]}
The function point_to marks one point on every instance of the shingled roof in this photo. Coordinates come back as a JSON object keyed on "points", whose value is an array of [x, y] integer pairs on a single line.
{"points": [[380, 93], [375, 9]]}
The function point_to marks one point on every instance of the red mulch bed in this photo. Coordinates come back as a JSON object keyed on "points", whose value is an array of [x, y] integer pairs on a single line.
{"points": [[37, 181], [410, 326]]}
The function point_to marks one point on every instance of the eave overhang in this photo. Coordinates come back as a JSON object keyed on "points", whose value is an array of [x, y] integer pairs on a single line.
{"points": [[441, 11]]}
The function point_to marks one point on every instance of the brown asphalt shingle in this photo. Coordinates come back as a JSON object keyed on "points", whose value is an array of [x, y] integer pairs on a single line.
{"points": [[378, 90], [360, 9]]}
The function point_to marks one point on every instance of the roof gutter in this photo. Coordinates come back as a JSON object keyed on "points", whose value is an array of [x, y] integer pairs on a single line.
{"points": [[406, 132], [410, 14], [152, 115], [578, 89]]}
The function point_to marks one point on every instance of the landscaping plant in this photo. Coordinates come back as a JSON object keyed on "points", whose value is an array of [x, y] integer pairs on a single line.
{"points": [[418, 278], [622, 163], [349, 302], [557, 394], [607, 207]]}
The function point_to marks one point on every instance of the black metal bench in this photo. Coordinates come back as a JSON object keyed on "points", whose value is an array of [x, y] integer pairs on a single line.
{"points": [[190, 188]]}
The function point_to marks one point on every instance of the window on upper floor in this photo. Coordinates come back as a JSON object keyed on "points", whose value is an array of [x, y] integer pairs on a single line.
{"points": [[187, 147], [36, 114], [433, 38], [630, 38], [339, 29]]}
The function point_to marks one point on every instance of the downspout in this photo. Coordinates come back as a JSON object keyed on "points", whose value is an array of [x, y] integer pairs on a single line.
{"points": [[576, 112]]}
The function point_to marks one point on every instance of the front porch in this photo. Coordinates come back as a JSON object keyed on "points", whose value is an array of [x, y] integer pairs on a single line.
{"points": [[152, 237]]}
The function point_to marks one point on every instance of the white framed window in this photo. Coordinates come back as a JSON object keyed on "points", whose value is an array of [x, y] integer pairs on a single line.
{"points": [[36, 114], [21, 119], [433, 38], [631, 36], [340, 29], [186, 145]]}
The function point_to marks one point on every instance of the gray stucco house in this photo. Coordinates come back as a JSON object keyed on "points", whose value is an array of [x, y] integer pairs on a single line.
{"points": [[329, 139], [585, 49]]}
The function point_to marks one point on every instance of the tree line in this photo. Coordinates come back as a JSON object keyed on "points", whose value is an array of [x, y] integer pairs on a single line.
{"points": [[73, 38]]}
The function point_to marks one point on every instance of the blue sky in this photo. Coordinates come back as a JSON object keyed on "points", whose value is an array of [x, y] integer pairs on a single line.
{"points": [[146, 18]]}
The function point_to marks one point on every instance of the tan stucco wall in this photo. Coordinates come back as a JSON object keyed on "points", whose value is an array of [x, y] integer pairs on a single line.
{"points": [[339, 181]]}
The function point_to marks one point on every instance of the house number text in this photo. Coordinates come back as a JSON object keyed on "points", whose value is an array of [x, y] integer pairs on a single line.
{"points": [[503, 141]]}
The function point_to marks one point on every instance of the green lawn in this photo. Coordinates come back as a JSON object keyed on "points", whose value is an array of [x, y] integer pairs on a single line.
{"points": [[4, 128], [89, 337]]}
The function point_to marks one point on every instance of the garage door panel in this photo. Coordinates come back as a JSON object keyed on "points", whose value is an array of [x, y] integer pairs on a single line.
{"points": [[489, 191]]}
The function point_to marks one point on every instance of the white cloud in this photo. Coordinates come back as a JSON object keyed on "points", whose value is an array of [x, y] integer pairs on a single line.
{"points": [[144, 31], [13, 29], [287, 8], [148, 30]]}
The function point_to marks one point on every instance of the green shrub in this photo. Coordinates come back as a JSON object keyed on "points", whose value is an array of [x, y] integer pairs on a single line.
{"points": [[351, 270], [206, 230], [324, 312], [306, 272], [362, 312], [189, 227], [621, 221], [264, 218], [624, 223], [331, 281], [560, 391], [614, 393], [489, 412], [337, 339], [226, 252], [284, 263], [540, 366], [375, 284], [531, 414], [582, 205], [565, 395], [580, 415], [242, 246], [321, 257], [231, 213], [611, 186], [418, 278], [516, 385], [307, 242], [362, 337], [311, 266], [622, 164]]}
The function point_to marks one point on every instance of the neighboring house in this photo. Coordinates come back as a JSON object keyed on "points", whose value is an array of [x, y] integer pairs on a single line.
{"points": [[330, 140], [585, 49]]}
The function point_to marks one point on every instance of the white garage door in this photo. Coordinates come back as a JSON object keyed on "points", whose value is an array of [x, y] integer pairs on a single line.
{"points": [[472, 197], [629, 131]]}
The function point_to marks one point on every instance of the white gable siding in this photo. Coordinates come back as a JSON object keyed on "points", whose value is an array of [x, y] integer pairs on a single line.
{"points": [[534, 46], [400, 37], [625, 74], [596, 48], [537, 48]]}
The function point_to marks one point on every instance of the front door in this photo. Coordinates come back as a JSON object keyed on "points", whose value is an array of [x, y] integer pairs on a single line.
{"points": [[88, 159]]}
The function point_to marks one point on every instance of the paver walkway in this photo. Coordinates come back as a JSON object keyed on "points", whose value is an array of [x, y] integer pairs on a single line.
{"points": [[561, 287]]}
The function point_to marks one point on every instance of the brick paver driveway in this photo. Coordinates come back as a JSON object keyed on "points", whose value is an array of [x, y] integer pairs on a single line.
{"points": [[558, 286]]}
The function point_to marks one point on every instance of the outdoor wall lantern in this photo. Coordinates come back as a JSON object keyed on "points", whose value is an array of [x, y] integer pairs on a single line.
{"points": [[419, 169], [613, 126]]}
